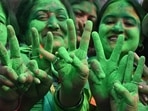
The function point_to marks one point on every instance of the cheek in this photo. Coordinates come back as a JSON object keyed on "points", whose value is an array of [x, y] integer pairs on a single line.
{"points": [[103, 29], [39, 25], [134, 34]]}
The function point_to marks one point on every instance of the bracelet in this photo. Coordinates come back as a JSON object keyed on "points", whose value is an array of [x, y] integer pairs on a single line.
{"points": [[19, 104], [56, 94]]}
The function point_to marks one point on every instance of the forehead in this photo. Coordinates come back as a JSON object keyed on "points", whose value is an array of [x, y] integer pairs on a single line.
{"points": [[85, 6], [50, 4], [121, 9]]}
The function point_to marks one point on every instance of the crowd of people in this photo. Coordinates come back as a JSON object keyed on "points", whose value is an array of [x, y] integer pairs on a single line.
{"points": [[73, 55]]}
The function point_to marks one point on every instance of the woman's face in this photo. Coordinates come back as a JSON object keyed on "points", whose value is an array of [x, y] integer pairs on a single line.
{"points": [[119, 18], [50, 15], [83, 13], [3, 28]]}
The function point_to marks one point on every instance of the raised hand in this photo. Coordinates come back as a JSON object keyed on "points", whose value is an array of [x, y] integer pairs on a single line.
{"points": [[36, 91], [15, 78], [72, 66], [105, 68], [125, 93], [43, 63]]}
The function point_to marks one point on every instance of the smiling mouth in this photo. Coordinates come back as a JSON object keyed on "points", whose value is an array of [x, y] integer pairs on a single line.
{"points": [[114, 38], [56, 34]]}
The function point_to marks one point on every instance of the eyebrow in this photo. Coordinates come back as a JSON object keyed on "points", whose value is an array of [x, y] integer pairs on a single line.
{"points": [[114, 16]]}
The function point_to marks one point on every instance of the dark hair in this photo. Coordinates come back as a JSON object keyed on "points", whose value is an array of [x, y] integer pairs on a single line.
{"points": [[137, 7], [23, 13], [95, 2], [10, 16], [145, 5]]}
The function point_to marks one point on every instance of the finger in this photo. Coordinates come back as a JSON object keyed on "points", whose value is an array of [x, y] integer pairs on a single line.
{"points": [[62, 53], [5, 88], [114, 95], [71, 35], [25, 78], [84, 70], [145, 68], [143, 99], [49, 42], [4, 57], [98, 46], [124, 93], [5, 81], [139, 70], [35, 42], [44, 77], [129, 67], [117, 50], [8, 73], [49, 56], [122, 67], [32, 65], [13, 42], [143, 88], [97, 69], [84, 43], [14, 51]]}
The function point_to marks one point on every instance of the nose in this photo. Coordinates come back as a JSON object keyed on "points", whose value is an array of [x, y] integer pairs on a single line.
{"points": [[118, 27], [53, 23], [84, 19], [81, 22]]}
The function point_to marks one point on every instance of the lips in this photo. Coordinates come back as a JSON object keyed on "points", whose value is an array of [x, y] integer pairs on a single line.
{"points": [[56, 34], [114, 38]]}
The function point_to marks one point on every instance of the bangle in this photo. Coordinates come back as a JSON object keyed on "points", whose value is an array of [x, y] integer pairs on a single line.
{"points": [[19, 104], [56, 94]]}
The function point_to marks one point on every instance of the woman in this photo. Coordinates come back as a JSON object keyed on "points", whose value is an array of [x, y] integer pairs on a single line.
{"points": [[43, 19], [119, 19], [82, 14], [15, 77]]}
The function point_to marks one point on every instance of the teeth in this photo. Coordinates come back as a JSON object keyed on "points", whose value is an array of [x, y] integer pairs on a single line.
{"points": [[113, 38]]}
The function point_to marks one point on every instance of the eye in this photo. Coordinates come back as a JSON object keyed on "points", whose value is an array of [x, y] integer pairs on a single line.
{"points": [[129, 23], [61, 17], [110, 21], [79, 13], [42, 16]]}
